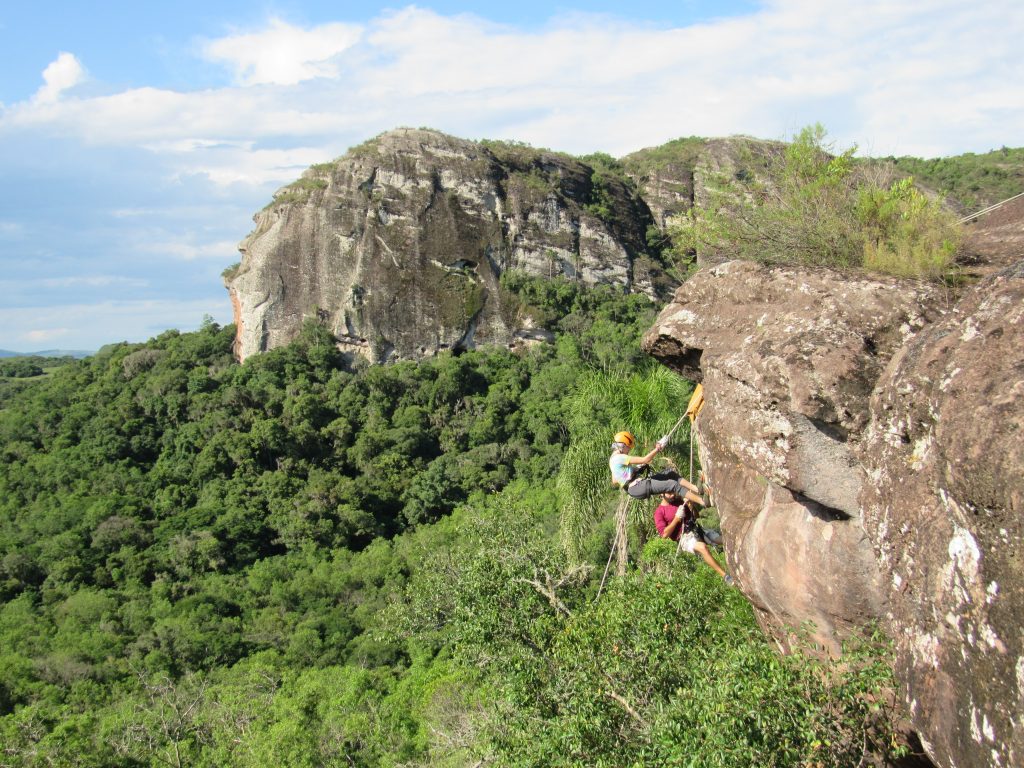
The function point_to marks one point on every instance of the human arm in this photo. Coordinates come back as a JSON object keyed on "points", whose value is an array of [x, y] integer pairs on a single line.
{"points": [[694, 497], [667, 519], [669, 530], [646, 459]]}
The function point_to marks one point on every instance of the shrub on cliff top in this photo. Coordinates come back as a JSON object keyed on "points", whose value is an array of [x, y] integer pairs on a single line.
{"points": [[822, 209]]}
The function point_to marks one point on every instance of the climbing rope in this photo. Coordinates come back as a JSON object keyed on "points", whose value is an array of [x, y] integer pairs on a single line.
{"points": [[620, 529], [991, 208], [693, 408]]}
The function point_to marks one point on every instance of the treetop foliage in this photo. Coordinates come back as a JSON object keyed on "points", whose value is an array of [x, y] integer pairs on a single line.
{"points": [[972, 181]]}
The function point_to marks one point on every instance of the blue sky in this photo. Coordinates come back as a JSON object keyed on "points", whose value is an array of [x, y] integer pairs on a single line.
{"points": [[137, 139]]}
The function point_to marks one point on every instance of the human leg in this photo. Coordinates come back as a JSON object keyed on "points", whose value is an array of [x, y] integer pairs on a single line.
{"points": [[712, 536], [700, 548], [651, 486], [664, 482]]}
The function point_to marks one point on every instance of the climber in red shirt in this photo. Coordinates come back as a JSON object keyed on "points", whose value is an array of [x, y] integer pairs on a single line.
{"points": [[676, 519]]}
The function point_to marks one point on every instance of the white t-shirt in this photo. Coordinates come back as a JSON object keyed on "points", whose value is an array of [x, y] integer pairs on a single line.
{"points": [[622, 472]]}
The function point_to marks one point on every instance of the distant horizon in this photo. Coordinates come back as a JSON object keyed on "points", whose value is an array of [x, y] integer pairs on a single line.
{"points": [[77, 353], [134, 155]]}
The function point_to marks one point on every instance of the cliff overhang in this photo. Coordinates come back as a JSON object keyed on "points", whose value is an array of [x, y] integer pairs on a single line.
{"points": [[864, 440]]}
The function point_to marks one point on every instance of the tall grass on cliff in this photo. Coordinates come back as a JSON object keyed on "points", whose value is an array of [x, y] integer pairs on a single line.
{"points": [[806, 205], [647, 403]]}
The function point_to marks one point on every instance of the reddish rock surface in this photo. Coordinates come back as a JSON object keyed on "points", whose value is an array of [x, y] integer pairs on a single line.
{"points": [[995, 240], [945, 454], [788, 358], [865, 440]]}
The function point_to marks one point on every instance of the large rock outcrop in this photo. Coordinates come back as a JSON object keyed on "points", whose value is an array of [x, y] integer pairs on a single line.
{"points": [[789, 358], [943, 507], [865, 442], [399, 245], [676, 176]]}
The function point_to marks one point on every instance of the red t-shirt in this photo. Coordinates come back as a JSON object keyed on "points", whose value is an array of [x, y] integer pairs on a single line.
{"points": [[666, 513]]}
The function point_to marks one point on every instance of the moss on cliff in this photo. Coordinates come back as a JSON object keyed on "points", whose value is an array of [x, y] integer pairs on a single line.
{"points": [[300, 190], [682, 152], [231, 272]]}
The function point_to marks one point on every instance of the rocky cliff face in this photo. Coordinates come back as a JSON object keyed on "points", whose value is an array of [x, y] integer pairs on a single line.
{"points": [[399, 245], [944, 455], [788, 359], [865, 443]]}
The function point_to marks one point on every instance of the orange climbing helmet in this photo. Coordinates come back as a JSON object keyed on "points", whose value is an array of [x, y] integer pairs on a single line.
{"points": [[626, 438]]}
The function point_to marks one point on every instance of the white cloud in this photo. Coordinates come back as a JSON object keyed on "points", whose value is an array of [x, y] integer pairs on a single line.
{"points": [[44, 334], [61, 74], [930, 77], [93, 281], [284, 54], [131, 213], [256, 166], [223, 250]]}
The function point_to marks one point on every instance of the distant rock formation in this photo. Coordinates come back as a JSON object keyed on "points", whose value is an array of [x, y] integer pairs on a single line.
{"points": [[399, 245], [865, 442]]}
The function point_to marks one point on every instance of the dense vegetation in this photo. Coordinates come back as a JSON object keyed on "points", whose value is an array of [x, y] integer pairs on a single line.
{"points": [[300, 562], [810, 206], [26, 366], [20, 372], [972, 181], [293, 562]]}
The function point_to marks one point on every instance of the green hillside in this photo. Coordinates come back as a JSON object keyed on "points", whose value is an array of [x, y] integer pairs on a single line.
{"points": [[291, 562], [971, 181]]}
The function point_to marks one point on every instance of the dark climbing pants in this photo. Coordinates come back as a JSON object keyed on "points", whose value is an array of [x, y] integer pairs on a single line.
{"points": [[656, 484]]}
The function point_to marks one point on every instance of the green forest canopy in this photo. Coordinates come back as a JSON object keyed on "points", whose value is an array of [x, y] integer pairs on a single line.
{"points": [[298, 562], [295, 562]]}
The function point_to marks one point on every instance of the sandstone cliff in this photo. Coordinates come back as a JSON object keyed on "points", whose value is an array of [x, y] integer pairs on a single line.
{"points": [[399, 245], [865, 441]]}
